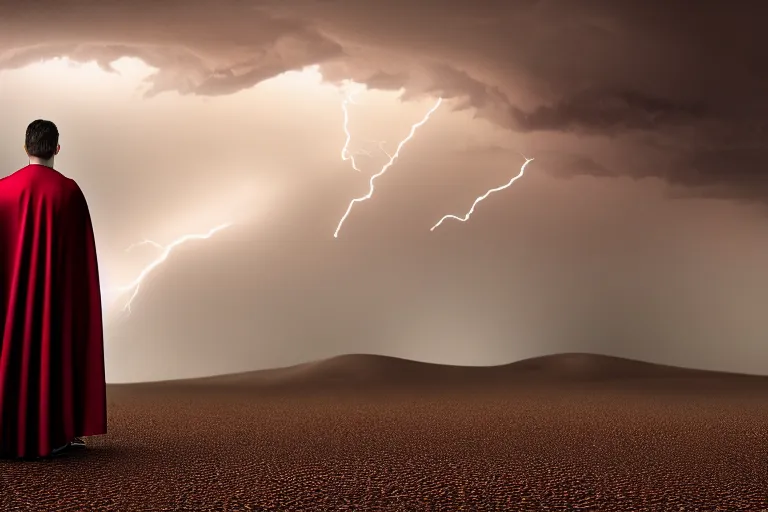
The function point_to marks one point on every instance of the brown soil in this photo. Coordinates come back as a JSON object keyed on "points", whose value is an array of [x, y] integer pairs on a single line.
{"points": [[366, 433]]}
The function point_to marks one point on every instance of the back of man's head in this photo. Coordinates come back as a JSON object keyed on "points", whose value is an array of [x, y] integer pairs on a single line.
{"points": [[42, 139]]}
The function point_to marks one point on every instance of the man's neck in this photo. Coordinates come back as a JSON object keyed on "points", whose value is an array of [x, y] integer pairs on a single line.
{"points": [[39, 161]]}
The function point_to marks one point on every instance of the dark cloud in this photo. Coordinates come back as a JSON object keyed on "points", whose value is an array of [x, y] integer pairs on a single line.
{"points": [[724, 173], [607, 112], [565, 165], [595, 67]]}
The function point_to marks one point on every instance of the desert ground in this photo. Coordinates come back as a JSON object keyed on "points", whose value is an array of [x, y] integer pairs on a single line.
{"points": [[570, 432]]}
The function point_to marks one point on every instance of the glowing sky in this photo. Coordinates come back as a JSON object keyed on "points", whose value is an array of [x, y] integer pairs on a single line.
{"points": [[628, 235]]}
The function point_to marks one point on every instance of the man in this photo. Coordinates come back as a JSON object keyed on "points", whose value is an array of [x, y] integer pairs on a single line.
{"points": [[52, 386]]}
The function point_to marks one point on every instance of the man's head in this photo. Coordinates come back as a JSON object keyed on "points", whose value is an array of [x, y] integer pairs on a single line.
{"points": [[42, 140]]}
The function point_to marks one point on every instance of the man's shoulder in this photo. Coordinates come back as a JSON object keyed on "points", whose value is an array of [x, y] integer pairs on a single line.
{"points": [[56, 179], [70, 184], [69, 190], [49, 183]]}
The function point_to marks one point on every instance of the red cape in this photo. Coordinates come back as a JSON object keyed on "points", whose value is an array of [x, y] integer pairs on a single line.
{"points": [[52, 385]]}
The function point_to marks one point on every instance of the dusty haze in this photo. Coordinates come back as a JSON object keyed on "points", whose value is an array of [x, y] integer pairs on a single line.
{"points": [[639, 230]]}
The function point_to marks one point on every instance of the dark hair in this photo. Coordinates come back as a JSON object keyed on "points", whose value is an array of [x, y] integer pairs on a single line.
{"points": [[42, 139]]}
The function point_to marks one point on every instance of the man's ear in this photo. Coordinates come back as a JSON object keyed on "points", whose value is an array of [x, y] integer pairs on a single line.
{"points": [[58, 148]]}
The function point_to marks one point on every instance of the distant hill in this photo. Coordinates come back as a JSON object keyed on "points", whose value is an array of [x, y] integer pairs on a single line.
{"points": [[355, 372], [599, 367]]}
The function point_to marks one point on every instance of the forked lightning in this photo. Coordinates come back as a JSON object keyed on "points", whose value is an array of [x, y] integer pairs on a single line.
{"points": [[482, 197], [386, 166], [135, 285]]}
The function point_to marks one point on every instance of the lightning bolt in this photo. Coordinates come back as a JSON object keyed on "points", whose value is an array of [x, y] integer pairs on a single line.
{"points": [[482, 197], [345, 153], [386, 166], [167, 250]]}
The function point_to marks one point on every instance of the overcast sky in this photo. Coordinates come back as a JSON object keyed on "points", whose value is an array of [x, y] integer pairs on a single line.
{"points": [[639, 230]]}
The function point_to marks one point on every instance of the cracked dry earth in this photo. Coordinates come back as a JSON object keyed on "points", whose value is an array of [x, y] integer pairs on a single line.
{"points": [[198, 449]]}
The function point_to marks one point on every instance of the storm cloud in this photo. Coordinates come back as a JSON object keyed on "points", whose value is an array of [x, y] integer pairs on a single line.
{"points": [[592, 69]]}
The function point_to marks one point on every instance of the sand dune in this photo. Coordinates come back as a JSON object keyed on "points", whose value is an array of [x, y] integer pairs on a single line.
{"points": [[568, 432], [350, 372]]}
